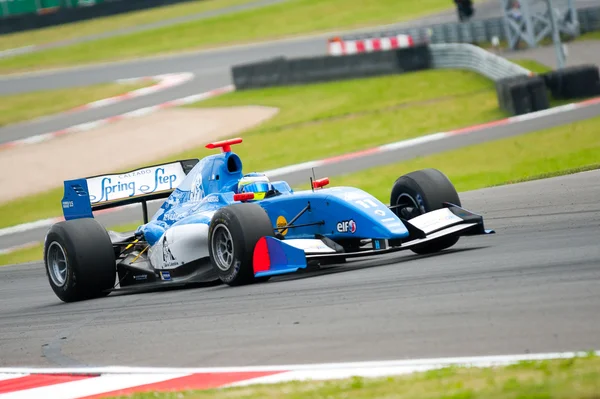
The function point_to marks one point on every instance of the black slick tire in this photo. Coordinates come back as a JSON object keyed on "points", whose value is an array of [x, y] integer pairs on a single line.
{"points": [[233, 233], [428, 189], [79, 260]]}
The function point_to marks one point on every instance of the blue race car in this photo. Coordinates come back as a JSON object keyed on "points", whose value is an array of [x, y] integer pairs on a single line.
{"points": [[219, 225]]}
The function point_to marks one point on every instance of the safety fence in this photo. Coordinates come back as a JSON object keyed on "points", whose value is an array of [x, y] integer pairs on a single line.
{"points": [[477, 31]]}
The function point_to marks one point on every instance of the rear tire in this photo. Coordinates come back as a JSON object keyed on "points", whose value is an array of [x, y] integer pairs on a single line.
{"points": [[79, 260], [424, 191], [233, 233]]}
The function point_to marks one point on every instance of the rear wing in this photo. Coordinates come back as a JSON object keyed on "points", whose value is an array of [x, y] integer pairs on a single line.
{"points": [[84, 196]]}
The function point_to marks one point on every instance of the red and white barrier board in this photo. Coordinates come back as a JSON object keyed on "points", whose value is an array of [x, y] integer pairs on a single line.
{"points": [[338, 46]]}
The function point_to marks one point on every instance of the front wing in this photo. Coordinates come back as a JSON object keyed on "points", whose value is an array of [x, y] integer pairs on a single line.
{"points": [[275, 257]]}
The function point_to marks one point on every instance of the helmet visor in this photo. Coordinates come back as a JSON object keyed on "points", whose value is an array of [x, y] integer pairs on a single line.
{"points": [[256, 187]]}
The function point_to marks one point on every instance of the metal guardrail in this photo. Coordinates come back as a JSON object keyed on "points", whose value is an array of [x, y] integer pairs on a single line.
{"points": [[478, 31], [471, 57]]}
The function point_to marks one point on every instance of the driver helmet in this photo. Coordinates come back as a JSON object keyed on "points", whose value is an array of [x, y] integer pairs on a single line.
{"points": [[257, 183]]}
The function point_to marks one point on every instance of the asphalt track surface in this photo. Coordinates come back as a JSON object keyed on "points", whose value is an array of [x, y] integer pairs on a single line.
{"points": [[531, 287]]}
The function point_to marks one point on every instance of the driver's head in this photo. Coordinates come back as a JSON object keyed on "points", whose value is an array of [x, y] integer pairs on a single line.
{"points": [[256, 183]]}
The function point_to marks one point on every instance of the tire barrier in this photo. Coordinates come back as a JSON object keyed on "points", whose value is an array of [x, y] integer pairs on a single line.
{"points": [[281, 71], [519, 95], [573, 82]]}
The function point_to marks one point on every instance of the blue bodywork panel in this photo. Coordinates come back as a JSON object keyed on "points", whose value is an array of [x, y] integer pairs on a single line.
{"points": [[273, 257], [76, 200], [340, 212]]}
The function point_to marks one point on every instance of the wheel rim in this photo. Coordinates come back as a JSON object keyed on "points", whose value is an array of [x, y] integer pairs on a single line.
{"points": [[222, 247], [58, 265], [408, 206]]}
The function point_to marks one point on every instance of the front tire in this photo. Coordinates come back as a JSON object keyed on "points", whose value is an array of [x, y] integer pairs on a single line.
{"points": [[420, 192], [233, 233], [79, 260]]}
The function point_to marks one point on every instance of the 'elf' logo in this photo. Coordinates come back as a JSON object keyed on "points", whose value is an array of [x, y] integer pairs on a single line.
{"points": [[347, 226]]}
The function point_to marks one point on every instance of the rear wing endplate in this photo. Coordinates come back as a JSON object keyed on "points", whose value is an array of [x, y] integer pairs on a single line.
{"points": [[84, 196]]}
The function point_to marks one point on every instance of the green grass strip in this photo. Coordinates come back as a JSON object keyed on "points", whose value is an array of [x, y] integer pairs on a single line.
{"points": [[590, 36], [22, 107], [532, 65]]}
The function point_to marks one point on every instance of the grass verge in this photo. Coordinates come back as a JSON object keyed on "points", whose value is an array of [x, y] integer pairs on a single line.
{"points": [[286, 19], [562, 378], [565, 149], [27, 254], [590, 36], [22, 107], [323, 120], [532, 65], [107, 24], [35, 252]]}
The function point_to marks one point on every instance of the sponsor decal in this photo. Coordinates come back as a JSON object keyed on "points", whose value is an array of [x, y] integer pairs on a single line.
{"points": [[346, 226], [379, 212], [139, 277], [196, 190], [135, 174], [212, 198], [166, 276], [173, 216], [282, 222], [140, 182], [67, 204], [389, 220], [168, 258]]}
